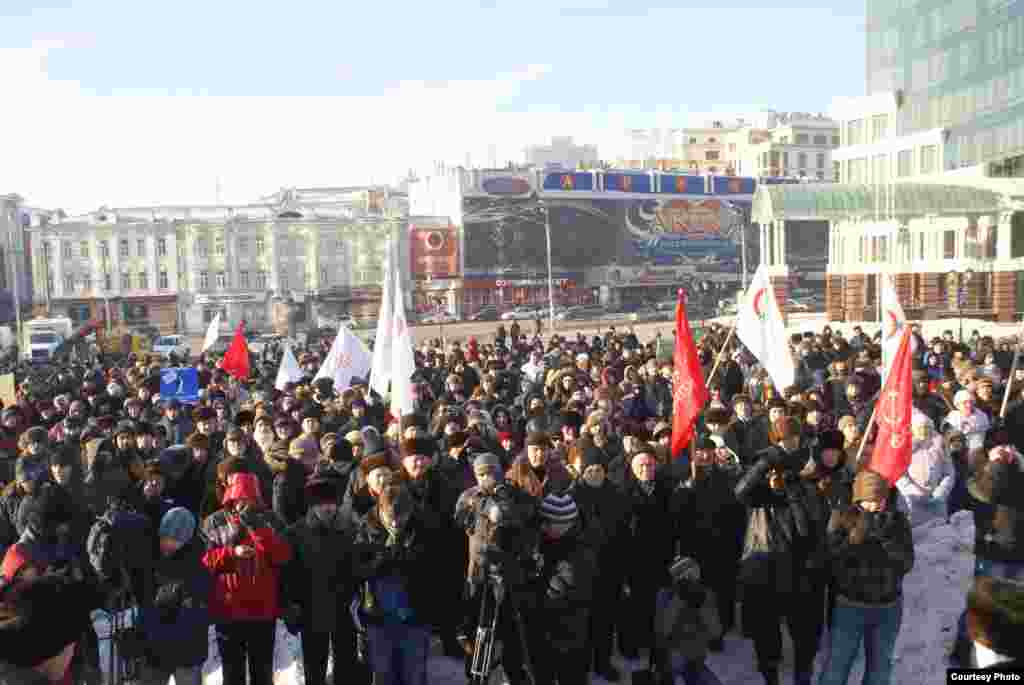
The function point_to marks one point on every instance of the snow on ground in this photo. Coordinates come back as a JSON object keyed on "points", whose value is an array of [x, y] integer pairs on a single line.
{"points": [[933, 598]]}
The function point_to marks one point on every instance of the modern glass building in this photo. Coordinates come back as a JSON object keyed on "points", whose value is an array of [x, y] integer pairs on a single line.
{"points": [[952, 65]]}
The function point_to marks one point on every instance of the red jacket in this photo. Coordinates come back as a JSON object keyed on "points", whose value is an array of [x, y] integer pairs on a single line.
{"points": [[245, 589]]}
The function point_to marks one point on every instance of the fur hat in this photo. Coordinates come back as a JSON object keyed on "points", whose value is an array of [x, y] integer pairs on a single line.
{"points": [[660, 429], [995, 615], [377, 461], [202, 414], [644, 448], [420, 446], [869, 485], [312, 410], [457, 439], [777, 403], [197, 441], [537, 439], [716, 415]]}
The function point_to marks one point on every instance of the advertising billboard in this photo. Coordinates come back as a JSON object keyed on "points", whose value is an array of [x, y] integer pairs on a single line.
{"points": [[433, 250], [504, 234]]}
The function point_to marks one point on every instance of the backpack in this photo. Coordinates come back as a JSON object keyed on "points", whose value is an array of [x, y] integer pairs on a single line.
{"points": [[121, 547]]}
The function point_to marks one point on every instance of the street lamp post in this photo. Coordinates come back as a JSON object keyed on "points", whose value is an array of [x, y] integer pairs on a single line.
{"points": [[962, 281], [551, 281]]}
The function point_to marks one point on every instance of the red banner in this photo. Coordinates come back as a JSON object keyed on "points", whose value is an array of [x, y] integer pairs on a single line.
{"points": [[434, 252], [689, 394]]}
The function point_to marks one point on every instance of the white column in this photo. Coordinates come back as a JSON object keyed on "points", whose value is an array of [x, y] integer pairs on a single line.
{"points": [[58, 269], [114, 244], [272, 256], [231, 254]]}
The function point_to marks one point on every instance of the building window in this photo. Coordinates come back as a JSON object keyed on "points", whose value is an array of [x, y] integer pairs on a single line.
{"points": [[107, 282], [259, 246], [323, 278], [243, 279], [835, 141], [126, 281], [802, 160], [218, 246], [905, 163], [161, 247], [201, 249], [711, 155], [243, 245], [143, 281], [949, 245], [162, 282], [65, 249], [821, 140], [83, 249], [283, 281], [821, 160], [929, 159], [104, 249], [47, 250], [261, 280], [141, 245], [123, 247], [222, 280], [204, 280], [802, 138], [69, 284]]}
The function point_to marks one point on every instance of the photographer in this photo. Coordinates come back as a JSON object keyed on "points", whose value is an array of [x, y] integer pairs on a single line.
{"points": [[499, 519], [780, 539], [870, 550]]}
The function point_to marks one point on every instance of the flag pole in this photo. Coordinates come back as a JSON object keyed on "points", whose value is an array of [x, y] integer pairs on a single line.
{"points": [[1009, 382], [721, 352], [867, 432]]}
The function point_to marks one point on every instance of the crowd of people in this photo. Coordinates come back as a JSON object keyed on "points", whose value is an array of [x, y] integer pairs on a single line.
{"points": [[535, 477]]}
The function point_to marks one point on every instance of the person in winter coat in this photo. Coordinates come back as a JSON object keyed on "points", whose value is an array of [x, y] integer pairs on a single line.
{"points": [[288, 478], [177, 625], [395, 561], [319, 583], [967, 419], [780, 541], [535, 472], [927, 484], [365, 486], [432, 492], [870, 550], [196, 488], [710, 523], [557, 627], [246, 549], [648, 547], [685, 624], [603, 506], [176, 423], [29, 476]]}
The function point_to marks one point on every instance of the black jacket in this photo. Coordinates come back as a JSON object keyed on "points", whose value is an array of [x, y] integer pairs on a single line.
{"points": [[319, 577]]}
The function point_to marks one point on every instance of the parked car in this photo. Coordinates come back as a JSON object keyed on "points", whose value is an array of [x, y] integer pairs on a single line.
{"points": [[172, 344], [519, 313], [438, 318], [487, 313]]}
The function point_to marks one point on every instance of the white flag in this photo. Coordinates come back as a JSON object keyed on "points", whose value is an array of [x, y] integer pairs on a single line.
{"points": [[893, 323], [380, 368], [347, 359], [760, 327], [212, 333], [289, 371], [403, 362]]}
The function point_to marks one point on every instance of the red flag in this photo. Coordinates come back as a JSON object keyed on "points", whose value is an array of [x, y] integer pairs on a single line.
{"points": [[892, 453], [689, 394], [236, 359]]}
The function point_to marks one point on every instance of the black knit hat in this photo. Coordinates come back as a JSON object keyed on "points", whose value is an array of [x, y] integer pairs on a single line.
{"points": [[312, 410], [29, 633]]}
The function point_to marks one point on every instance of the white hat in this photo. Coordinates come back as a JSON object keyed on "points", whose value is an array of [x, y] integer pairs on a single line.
{"points": [[583, 357], [962, 396]]}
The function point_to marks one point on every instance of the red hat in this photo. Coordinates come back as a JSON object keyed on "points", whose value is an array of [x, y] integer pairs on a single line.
{"points": [[17, 558], [242, 486], [505, 435]]}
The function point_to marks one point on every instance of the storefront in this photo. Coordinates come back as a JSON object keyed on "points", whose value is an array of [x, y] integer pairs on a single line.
{"points": [[508, 292], [438, 296], [233, 308], [335, 303]]}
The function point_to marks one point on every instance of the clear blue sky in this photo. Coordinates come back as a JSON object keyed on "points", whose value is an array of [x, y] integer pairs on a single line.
{"points": [[632, 57]]}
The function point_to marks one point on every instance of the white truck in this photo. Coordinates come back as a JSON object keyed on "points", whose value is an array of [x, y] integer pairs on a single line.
{"points": [[43, 337]]}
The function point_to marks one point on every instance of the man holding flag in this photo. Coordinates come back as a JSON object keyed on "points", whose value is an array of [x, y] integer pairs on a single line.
{"points": [[689, 394]]}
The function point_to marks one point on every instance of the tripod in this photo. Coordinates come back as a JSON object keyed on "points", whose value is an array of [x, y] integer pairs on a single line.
{"points": [[492, 603]]}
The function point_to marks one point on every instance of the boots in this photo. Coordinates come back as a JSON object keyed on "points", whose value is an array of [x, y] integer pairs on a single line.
{"points": [[771, 677]]}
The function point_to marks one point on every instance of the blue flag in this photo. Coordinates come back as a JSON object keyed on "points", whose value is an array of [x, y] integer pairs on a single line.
{"points": [[180, 384]]}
